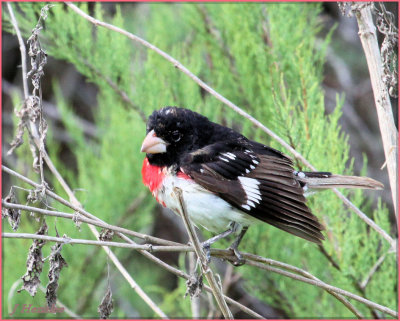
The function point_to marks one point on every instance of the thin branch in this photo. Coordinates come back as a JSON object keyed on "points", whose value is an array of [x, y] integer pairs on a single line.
{"points": [[326, 287], [216, 289], [22, 50], [145, 237], [231, 105], [366, 219], [195, 299], [67, 240], [306, 274], [375, 268]]}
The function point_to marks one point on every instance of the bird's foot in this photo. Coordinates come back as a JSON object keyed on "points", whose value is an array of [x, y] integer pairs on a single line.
{"points": [[239, 258], [207, 249]]}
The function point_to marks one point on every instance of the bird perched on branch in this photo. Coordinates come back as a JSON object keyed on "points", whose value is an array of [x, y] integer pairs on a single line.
{"points": [[229, 182]]}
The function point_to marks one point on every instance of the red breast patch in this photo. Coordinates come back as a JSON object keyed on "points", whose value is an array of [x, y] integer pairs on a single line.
{"points": [[152, 176]]}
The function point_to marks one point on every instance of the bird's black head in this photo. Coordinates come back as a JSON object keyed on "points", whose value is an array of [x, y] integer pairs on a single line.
{"points": [[174, 131]]}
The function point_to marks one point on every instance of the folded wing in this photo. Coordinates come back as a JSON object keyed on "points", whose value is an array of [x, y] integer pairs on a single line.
{"points": [[257, 180]]}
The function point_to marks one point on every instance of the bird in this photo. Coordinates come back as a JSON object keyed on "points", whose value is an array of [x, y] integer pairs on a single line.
{"points": [[228, 181]]}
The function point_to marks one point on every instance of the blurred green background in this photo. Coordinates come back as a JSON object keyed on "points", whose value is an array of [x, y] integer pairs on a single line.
{"points": [[298, 68]]}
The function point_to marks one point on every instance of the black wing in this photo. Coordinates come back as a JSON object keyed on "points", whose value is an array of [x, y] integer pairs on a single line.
{"points": [[258, 180]]}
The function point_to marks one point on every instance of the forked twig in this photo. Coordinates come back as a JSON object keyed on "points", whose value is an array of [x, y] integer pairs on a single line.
{"points": [[216, 289]]}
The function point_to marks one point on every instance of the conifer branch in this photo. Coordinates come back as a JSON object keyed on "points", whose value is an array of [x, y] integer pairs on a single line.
{"points": [[234, 107]]}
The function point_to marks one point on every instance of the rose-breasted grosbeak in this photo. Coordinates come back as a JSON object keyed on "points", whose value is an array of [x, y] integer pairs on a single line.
{"points": [[229, 182]]}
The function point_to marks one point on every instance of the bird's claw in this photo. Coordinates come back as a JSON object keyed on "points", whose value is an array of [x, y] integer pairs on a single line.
{"points": [[239, 258], [207, 250]]}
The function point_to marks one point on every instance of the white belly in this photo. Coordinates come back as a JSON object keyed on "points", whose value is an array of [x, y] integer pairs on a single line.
{"points": [[204, 208]]}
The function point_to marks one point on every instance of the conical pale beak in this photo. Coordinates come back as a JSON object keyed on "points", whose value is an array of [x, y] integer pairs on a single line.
{"points": [[153, 144]]}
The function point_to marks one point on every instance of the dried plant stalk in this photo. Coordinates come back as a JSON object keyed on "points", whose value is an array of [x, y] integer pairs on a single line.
{"points": [[367, 33]]}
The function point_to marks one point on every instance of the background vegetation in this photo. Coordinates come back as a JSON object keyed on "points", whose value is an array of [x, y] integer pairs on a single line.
{"points": [[268, 59]]}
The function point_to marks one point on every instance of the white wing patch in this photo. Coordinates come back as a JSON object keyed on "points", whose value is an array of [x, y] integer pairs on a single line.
{"points": [[229, 155], [253, 194]]}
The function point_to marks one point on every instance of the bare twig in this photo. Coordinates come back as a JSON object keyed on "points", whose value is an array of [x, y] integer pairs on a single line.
{"points": [[366, 219], [22, 50], [326, 287], [195, 299], [375, 268], [367, 32], [67, 240], [147, 238], [216, 289], [306, 274], [231, 105]]}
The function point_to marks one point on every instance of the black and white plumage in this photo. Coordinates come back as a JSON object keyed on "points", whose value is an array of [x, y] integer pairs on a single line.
{"points": [[228, 180]]}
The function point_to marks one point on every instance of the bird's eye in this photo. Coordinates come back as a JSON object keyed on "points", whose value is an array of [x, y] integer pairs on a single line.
{"points": [[176, 136]]}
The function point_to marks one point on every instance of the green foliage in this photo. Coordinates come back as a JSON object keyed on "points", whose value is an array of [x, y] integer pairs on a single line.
{"points": [[263, 57]]}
